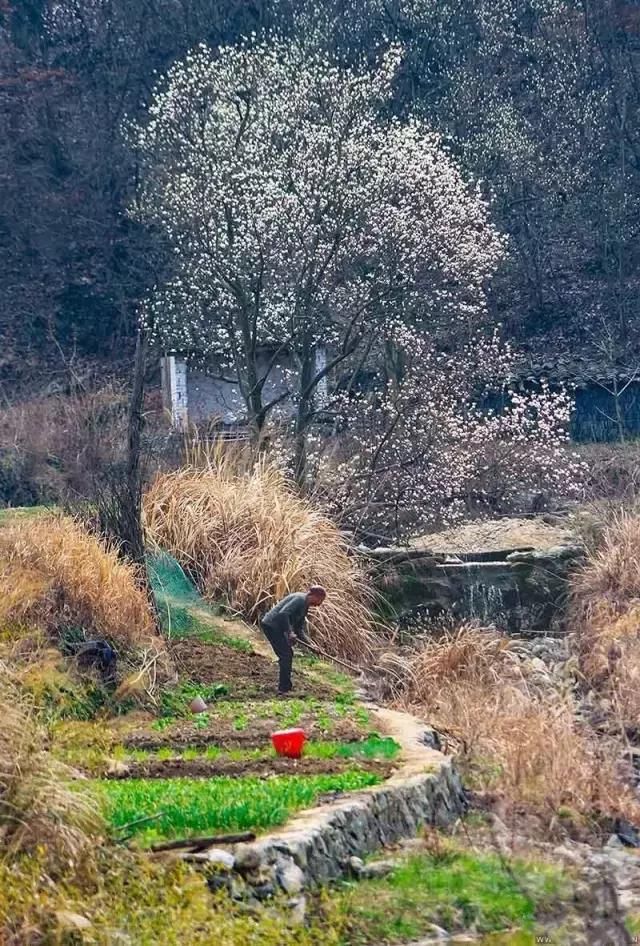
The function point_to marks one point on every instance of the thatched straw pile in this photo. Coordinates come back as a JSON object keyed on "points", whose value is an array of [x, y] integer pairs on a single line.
{"points": [[247, 538]]}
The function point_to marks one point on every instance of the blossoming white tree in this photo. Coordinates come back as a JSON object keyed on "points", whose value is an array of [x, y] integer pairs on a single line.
{"points": [[428, 449], [300, 213]]}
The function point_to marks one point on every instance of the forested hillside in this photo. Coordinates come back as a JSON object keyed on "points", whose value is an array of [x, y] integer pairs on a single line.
{"points": [[537, 101]]}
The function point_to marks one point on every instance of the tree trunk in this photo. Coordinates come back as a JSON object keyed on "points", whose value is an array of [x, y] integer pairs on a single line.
{"points": [[619, 418], [119, 493], [134, 537], [132, 514], [303, 414]]}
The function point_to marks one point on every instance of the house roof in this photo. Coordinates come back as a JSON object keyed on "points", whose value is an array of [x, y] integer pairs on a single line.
{"points": [[580, 370]]}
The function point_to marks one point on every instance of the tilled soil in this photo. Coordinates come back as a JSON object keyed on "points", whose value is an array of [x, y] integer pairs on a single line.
{"points": [[222, 733], [211, 768], [246, 674]]}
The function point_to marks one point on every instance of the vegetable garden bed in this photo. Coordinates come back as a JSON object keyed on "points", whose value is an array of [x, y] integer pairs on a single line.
{"points": [[374, 754], [195, 806]]}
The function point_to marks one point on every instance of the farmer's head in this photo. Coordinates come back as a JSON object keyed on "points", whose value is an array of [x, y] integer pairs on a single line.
{"points": [[316, 595]]}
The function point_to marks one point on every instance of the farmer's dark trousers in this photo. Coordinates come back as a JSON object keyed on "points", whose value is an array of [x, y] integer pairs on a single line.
{"points": [[284, 653]]}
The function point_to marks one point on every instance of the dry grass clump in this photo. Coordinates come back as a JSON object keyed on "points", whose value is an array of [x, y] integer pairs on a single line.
{"points": [[57, 580], [476, 654], [529, 749], [514, 740], [468, 653], [56, 575], [38, 808], [612, 470], [247, 538], [52, 447], [606, 616]]}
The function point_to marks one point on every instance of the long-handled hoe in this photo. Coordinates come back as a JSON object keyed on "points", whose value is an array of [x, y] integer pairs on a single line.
{"points": [[336, 660]]}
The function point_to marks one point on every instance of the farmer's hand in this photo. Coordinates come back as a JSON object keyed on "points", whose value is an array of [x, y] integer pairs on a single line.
{"points": [[291, 637]]}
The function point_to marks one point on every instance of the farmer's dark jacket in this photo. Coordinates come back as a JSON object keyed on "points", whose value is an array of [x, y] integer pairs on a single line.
{"points": [[288, 615]]}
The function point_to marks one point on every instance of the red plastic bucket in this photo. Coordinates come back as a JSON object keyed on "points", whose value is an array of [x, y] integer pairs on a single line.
{"points": [[288, 742]]}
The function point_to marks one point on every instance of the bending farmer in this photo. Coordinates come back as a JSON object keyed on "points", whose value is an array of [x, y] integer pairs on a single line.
{"points": [[284, 622]]}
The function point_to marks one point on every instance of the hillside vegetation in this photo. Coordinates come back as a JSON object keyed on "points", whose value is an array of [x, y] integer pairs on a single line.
{"points": [[88, 768]]}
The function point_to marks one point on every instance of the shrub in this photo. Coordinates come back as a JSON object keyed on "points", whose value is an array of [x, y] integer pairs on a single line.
{"points": [[606, 616], [134, 900], [53, 447], [612, 470], [468, 653], [56, 691], [59, 585], [247, 538]]}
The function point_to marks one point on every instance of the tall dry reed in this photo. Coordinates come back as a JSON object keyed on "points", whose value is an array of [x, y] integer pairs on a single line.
{"points": [[56, 575], [247, 538], [513, 738], [39, 808], [605, 617]]}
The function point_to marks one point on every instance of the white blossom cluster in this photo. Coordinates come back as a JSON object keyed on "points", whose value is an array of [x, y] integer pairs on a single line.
{"points": [[428, 451], [298, 211]]}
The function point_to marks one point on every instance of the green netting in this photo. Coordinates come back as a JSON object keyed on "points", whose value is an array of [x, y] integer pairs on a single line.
{"points": [[176, 596], [169, 580], [174, 592]]}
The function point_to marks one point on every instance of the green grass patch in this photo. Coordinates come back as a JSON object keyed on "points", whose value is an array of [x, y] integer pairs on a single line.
{"points": [[178, 623], [373, 747], [175, 701], [326, 672], [131, 900], [59, 695], [195, 806], [12, 513], [632, 922], [240, 713], [285, 712], [455, 890]]}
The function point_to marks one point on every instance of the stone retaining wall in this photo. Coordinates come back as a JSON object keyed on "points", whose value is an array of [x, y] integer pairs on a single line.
{"points": [[317, 845], [517, 591]]}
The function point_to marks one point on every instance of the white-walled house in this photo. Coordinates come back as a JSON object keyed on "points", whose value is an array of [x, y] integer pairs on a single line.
{"points": [[191, 395]]}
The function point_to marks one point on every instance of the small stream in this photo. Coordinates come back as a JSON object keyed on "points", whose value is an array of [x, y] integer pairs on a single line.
{"points": [[486, 591]]}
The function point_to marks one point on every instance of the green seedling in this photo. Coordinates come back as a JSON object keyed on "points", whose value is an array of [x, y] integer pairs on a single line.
{"points": [[196, 806]]}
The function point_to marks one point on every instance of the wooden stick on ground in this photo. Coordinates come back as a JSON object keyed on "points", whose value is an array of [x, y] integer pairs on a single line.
{"points": [[197, 844], [131, 824]]}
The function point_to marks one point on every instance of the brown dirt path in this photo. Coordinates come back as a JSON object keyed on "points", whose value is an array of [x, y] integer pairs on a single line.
{"points": [[238, 629]]}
